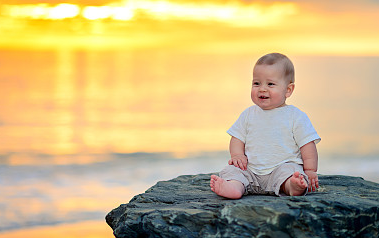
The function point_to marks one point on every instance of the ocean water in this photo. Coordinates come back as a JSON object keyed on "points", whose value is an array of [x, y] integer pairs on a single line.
{"points": [[82, 132], [48, 194]]}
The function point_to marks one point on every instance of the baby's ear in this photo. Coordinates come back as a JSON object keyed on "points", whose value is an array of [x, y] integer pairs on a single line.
{"points": [[290, 89]]}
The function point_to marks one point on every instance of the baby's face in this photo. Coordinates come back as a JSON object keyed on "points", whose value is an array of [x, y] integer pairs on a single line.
{"points": [[270, 89]]}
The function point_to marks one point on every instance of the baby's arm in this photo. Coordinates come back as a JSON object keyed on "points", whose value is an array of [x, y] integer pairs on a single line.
{"points": [[310, 159], [237, 153]]}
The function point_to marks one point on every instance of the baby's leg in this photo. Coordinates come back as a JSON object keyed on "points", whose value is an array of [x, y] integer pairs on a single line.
{"points": [[230, 189], [295, 185]]}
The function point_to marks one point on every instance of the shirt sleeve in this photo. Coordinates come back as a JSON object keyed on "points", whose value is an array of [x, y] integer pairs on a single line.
{"points": [[239, 128], [303, 130]]}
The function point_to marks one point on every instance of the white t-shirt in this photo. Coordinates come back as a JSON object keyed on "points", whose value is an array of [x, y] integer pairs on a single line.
{"points": [[273, 137]]}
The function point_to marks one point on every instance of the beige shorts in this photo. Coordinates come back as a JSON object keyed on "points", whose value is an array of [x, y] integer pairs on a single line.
{"points": [[263, 184]]}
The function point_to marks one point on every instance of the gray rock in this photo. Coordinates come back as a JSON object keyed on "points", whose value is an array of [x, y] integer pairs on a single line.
{"points": [[343, 206]]}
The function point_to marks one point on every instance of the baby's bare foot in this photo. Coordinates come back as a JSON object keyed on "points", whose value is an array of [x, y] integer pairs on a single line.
{"points": [[296, 185], [228, 189]]}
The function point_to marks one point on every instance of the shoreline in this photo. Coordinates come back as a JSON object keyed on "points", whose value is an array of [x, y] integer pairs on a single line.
{"points": [[87, 189], [84, 229]]}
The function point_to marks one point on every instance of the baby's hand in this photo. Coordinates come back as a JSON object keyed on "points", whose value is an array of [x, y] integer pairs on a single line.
{"points": [[313, 180], [239, 161]]}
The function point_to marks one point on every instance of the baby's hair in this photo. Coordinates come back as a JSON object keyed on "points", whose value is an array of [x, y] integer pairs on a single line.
{"points": [[273, 58]]}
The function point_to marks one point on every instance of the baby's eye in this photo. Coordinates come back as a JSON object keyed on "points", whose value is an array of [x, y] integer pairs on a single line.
{"points": [[255, 83], [271, 84]]}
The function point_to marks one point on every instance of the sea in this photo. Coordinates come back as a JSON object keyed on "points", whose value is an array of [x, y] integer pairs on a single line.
{"points": [[83, 131]]}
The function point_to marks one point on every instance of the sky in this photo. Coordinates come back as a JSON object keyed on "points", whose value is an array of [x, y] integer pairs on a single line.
{"points": [[297, 27]]}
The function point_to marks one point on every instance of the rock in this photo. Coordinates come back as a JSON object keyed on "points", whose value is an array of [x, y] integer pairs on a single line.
{"points": [[343, 206]]}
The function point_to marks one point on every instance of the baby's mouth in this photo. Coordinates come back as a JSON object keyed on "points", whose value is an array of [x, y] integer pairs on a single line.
{"points": [[263, 97]]}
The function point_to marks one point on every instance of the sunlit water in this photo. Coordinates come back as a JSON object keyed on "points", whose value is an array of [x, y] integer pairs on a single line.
{"points": [[71, 123], [50, 194]]}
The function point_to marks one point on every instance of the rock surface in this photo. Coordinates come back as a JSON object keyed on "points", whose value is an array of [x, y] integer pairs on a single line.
{"points": [[186, 207]]}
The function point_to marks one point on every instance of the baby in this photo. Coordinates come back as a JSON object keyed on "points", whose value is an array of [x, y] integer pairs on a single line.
{"points": [[273, 145]]}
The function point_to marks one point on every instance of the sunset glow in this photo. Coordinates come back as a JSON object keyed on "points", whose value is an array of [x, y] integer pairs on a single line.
{"points": [[233, 26], [240, 15], [41, 11]]}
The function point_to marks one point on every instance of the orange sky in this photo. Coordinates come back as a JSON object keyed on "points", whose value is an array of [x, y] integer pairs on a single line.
{"points": [[296, 27]]}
